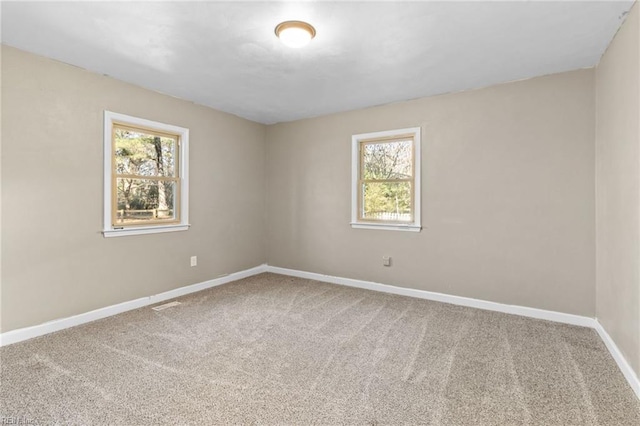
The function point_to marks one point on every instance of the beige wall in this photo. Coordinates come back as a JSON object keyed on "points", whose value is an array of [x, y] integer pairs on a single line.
{"points": [[618, 189], [508, 199], [55, 261], [508, 195]]}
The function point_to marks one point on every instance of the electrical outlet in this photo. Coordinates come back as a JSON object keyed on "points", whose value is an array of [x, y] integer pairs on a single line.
{"points": [[194, 260], [386, 261]]}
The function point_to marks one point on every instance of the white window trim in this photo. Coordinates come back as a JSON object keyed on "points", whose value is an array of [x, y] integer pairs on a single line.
{"points": [[355, 164], [108, 229]]}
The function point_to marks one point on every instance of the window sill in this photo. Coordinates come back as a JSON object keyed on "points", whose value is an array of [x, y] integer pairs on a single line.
{"points": [[386, 226], [109, 233]]}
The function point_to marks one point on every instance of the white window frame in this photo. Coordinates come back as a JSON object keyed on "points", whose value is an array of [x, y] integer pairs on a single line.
{"points": [[109, 230], [415, 226]]}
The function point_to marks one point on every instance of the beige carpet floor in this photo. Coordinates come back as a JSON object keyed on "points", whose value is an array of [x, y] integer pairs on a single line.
{"points": [[279, 350]]}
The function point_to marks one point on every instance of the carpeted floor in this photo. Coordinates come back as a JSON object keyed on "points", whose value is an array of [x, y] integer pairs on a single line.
{"points": [[278, 350]]}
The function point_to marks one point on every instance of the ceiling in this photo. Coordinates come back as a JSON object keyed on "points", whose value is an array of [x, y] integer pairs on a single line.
{"points": [[226, 56]]}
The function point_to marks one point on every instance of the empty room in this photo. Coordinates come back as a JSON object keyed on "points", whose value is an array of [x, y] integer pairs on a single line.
{"points": [[333, 213]]}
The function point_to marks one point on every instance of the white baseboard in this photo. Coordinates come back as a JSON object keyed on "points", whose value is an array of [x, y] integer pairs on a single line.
{"points": [[21, 334], [441, 297], [524, 311], [624, 366]]}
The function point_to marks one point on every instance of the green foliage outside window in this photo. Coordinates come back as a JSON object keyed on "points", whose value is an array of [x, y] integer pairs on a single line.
{"points": [[138, 156], [387, 169]]}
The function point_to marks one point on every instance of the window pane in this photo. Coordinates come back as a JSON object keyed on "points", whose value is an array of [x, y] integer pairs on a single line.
{"points": [[388, 201], [389, 160], [145, 200], [142, 154]]}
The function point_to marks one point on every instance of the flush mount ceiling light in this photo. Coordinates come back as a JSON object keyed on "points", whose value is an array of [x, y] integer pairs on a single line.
{"points": [[295, 33]]}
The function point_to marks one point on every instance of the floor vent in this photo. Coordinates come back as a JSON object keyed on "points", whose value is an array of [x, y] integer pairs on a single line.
{"points": [[165, 306]]}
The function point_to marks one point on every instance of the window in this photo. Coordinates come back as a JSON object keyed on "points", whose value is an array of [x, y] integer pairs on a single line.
{"points": [[386, 180], [145, 176]]}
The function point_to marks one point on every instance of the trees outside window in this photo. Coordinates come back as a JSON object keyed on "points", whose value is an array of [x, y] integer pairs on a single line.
{"points": [[145, 171], [386, 179]]}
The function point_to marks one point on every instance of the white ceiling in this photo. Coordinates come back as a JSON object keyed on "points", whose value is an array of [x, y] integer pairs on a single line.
{"points": [[226, 56]]}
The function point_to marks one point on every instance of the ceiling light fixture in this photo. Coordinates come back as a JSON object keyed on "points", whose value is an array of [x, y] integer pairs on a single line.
{"points": [[295, 33]]}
